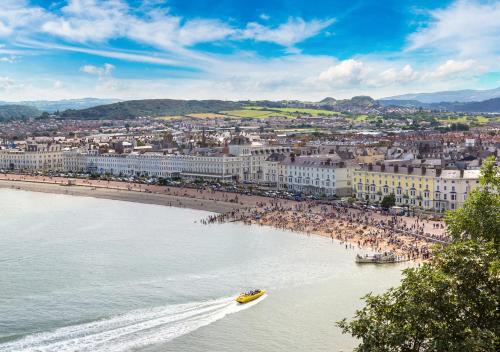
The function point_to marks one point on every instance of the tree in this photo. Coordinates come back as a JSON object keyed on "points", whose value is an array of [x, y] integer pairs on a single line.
{"points": [[479, 218], [450, 303], [388, 201]]}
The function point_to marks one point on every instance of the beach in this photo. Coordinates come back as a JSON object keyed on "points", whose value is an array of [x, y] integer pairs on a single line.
{"points": [[120, 191], [411, 238]]}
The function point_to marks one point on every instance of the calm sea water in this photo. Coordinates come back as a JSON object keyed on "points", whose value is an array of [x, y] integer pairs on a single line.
{"points": [[84, 274]]}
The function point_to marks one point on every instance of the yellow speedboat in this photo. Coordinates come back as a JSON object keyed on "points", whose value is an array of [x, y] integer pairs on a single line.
{"points": [[250, 296]]}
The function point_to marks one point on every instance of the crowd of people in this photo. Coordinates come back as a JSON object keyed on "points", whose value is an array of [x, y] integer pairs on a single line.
{"points": [[411, 237]]}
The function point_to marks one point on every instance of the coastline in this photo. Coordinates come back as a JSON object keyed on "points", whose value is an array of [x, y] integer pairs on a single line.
{"points": [[213, 206], [355, 228]]}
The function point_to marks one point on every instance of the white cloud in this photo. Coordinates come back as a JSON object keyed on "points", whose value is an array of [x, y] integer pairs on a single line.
{"points": [[170, 32], [375, 73], [452, 68], [104, 71], [465, 28], [394, 76], [89, 20], [17, 15], [6, 83], [8, 59], [264, 17], [106, 82], [110, 53], [288, 34], [346, 72]]}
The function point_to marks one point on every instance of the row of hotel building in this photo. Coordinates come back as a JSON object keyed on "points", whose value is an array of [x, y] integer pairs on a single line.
{"points": [[276, 167]]}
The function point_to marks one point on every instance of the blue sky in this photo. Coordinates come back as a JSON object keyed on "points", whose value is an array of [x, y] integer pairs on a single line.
{"points": [[130, 49]]}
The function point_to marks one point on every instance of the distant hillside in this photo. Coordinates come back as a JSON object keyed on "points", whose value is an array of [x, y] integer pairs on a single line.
{"points": [[490, 105], [169, 107], [404, 103], [464, 96], [17, 112], [60, 105], [151, 107]]}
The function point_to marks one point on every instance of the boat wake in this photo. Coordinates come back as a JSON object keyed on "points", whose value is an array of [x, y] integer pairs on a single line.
{"points": [[132, 330]]}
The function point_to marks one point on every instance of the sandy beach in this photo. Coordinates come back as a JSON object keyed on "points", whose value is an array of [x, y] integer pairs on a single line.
{"points": [[123, 194], [409, 237]]}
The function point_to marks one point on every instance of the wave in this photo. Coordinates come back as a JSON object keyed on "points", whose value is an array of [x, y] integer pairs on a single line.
{"points": [[132, 330]]}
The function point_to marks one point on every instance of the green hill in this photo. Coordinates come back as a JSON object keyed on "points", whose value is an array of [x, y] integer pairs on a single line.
{"points": [[151, 107], [18, 112]]}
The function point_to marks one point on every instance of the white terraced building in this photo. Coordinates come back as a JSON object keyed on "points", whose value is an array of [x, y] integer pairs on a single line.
{"points": [[245, 162], [315, 174], [155, 164], [453, 186]]}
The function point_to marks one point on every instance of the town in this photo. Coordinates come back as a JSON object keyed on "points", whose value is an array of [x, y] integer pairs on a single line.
{"points": [[363, 160]]}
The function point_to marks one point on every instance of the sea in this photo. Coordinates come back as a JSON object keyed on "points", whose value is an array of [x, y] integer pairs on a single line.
{"points": [[87, 274]]}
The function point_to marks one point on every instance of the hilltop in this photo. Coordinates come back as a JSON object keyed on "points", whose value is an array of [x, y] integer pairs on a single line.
{"points": [[151, 107]]}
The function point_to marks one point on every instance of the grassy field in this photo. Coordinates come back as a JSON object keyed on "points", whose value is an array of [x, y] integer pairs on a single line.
{"points": [[256, 112], [207, 115], [468, 119], [484, 119], [460, 119], [168, 118], [250, 113], [295, 111]]}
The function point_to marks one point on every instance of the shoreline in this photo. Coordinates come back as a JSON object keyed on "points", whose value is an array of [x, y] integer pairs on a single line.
{"points": [[356, 229], [213, 206]]}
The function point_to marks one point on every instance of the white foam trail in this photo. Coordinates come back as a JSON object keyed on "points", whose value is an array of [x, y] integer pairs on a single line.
{"points": [[135, 329]]}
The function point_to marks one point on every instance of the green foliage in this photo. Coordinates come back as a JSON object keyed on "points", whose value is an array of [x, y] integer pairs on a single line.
{"points": [[479, 218], [388, 201], [45, 115], [452, 302]]}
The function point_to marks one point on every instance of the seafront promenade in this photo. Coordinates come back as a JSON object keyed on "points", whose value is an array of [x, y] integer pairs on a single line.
{"points": [[407, 236]]}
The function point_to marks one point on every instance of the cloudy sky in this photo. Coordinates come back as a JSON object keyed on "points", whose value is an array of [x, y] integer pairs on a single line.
{"points": [[259, 49]]}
